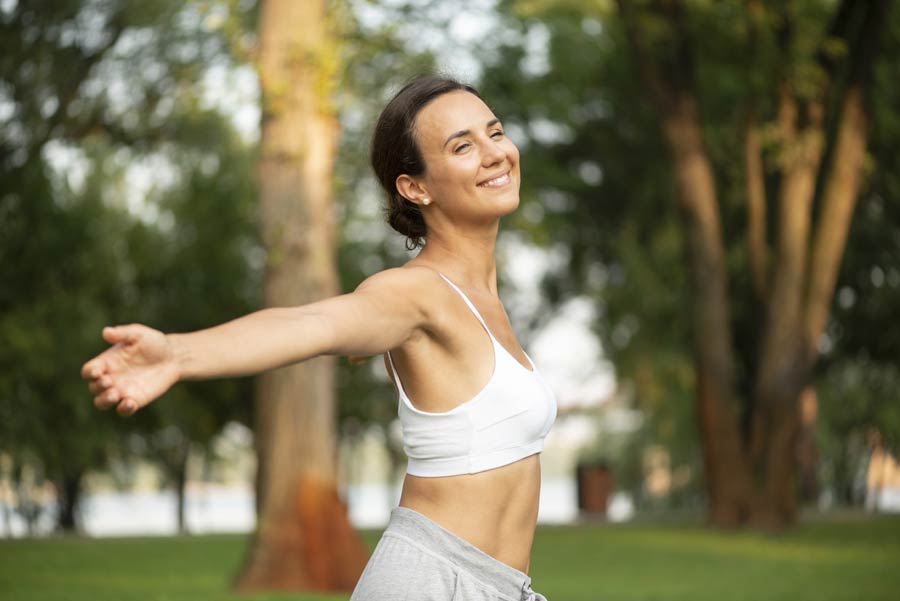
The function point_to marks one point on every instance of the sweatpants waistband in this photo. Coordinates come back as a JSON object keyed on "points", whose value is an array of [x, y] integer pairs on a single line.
{"points": [[507, 580]]}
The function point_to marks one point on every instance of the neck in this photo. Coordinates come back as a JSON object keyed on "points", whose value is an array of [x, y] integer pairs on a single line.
{"points": [[467, 258]]}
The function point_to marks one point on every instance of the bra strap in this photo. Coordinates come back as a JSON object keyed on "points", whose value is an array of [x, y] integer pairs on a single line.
{"points": [[469, 303], [396, 376]]}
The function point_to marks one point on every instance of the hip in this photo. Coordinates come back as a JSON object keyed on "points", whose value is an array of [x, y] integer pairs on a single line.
{"points": [[416, 558]]}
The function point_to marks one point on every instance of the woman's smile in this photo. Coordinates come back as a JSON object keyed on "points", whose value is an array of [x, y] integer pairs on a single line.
{"points": [[497, 182]]}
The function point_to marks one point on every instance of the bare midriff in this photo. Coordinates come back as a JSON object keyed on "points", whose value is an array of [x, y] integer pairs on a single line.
{"points": [[494, 510]]}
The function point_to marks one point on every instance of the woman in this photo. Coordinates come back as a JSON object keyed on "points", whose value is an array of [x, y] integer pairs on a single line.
{"points": [[473, 407]]}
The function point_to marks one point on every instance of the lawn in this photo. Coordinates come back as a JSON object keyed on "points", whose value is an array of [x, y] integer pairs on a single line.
{"points": [[826, 560]]}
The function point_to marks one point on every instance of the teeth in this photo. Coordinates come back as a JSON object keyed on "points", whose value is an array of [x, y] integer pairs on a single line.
{"points": [[497, 181]]}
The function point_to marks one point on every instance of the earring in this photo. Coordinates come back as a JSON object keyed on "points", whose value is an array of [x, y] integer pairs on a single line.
{"points": [[426, 201]]}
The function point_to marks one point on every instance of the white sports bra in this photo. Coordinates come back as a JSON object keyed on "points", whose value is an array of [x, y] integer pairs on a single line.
{"points": [[506, 421]]}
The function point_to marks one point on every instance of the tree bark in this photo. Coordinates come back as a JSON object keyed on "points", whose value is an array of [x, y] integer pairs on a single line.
{"points": [[757, 248], [717, 411], [807, 449], [754, 170], [782, 374], [303, 540]]}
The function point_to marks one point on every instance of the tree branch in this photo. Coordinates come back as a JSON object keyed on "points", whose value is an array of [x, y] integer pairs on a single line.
{"points": [[81, 73], [778, 378], [842, 23], [660, 94], [841, 186], [757, 248]]}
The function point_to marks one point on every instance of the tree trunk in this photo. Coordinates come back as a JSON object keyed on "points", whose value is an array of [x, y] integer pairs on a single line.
{"points": [[727, 480], [728, 489], [69, 493], [180, 472], [807, 450], [303, 540]]}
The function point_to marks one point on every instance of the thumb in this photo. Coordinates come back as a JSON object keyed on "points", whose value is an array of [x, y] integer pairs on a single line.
{"points": [[120, 334]]}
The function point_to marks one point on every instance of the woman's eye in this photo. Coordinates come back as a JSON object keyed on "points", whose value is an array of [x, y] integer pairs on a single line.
{"points": [[497, 133], [460, 148]]}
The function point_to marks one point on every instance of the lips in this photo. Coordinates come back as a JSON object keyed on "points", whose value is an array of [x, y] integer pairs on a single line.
{"points": [[496, 182]]}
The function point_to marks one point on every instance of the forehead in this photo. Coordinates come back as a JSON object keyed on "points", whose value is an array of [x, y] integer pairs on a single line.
{"points": [[450, 113]]}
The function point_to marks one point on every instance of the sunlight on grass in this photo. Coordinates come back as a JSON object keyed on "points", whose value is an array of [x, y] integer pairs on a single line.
{"points": [[847, 560]]}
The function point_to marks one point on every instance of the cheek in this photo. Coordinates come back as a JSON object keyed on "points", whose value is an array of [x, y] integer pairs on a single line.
{"points": [[441, 172], [462, 170], [512, 152]]}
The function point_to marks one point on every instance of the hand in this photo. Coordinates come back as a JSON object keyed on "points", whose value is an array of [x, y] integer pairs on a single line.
{"points": [[138, 368]]}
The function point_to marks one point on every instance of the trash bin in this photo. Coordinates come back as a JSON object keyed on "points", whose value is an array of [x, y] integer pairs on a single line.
{"points": [[595, 485]]}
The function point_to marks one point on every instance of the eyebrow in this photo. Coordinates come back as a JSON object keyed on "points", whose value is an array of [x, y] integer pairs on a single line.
{"points": [[466, 132]]}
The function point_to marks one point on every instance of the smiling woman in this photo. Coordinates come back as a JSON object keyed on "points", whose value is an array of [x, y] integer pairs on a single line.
{"points": [[410, 135], [473, 406]]}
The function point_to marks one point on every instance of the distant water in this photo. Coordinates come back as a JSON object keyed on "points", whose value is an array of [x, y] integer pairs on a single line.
{"points": [[213, 508]]}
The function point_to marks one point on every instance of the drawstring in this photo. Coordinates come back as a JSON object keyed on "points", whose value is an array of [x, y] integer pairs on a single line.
{"points": [[530, 595], [527, 593]]}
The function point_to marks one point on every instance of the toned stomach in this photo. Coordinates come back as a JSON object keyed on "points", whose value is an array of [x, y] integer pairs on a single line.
{"points": [[495, 510]]}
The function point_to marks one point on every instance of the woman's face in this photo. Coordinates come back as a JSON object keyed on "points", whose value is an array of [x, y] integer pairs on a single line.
{"points": [[471, 167]]}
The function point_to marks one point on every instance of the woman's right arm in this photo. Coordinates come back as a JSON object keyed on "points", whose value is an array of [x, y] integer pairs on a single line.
{"points": [[383, 312]]}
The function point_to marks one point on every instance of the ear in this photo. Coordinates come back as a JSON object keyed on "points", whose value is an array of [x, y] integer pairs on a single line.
{"points": [[412, 190]]}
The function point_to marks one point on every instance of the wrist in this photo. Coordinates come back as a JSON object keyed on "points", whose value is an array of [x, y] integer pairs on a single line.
{"points": [[178, 356]]}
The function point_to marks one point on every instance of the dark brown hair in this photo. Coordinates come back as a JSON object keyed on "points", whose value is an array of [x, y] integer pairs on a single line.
{"points": [[394, 150]]}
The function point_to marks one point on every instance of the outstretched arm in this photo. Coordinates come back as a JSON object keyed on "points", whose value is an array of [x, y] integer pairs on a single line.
{"points": [[143, 363]]}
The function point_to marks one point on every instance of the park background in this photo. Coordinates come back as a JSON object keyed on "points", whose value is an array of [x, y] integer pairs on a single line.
{"points": [[704, 265]]}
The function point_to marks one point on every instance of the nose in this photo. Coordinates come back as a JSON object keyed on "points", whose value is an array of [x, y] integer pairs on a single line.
{"points": [[492, 154]]}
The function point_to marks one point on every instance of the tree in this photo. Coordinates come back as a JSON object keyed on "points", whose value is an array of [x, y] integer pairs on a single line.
{"points": [[303, 539], [752, 479], [749, 105]]}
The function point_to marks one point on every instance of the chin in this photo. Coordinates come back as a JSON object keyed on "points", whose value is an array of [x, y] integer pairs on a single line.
{"points": [[510, 204]]}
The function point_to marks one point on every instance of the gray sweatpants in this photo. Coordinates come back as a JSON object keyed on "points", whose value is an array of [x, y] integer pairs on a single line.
{"points": [[417, 559]]}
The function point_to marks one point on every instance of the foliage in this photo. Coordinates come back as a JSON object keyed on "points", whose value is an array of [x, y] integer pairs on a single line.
{"points": [[97, 92]]}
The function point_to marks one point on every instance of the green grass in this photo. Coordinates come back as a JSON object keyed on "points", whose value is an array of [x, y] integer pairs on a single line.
{"points": [[850, 559]]}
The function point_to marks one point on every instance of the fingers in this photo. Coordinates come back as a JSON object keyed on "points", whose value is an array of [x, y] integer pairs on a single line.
{"points": [[106, 395], [106, 399], [99, 385], [127, 407], [98, 365], [125, 334], [93, 368]]}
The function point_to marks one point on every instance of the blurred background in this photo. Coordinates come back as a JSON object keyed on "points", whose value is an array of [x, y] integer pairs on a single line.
{"points": [[705, 266]]}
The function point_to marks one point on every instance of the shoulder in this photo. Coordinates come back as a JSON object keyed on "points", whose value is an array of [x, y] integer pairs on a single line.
{"points": [[403, 280], [411, 289]]}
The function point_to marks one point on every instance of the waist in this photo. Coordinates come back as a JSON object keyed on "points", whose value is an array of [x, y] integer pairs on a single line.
{"points": [[421, 531], [494, 510]]}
